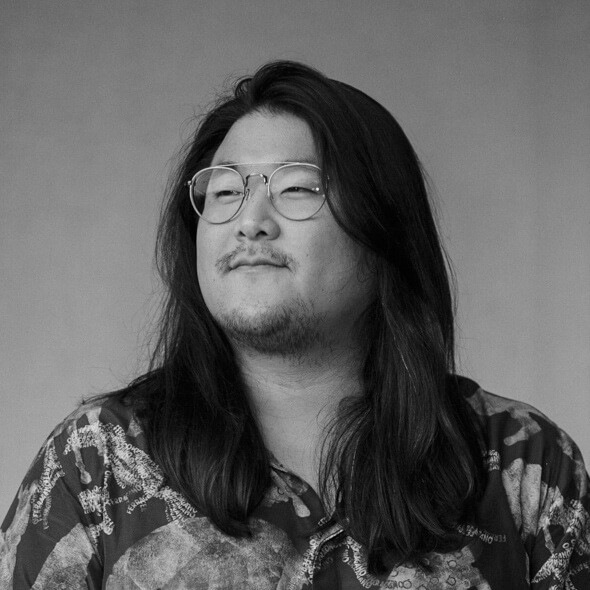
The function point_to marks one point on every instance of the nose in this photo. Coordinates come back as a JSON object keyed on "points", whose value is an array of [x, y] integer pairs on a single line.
{"points": [[257, 220]]}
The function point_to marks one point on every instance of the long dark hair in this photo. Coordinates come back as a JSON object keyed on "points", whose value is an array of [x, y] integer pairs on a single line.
{"points": [[405, 458]]}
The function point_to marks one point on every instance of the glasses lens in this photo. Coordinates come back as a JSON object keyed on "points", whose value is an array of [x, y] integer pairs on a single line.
{"points": [[217, 194], [297, 191]]}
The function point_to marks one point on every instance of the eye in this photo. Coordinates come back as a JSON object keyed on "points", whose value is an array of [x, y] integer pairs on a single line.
{"points": [[300, 191], [226, 194]]}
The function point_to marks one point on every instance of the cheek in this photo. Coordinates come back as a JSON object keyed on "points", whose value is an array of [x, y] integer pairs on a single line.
{"points": [[340, 267], [205, 258], [200, 250]]}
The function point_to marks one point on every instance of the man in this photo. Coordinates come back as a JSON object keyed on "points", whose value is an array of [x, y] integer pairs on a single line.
{"points": [[301, 425]]}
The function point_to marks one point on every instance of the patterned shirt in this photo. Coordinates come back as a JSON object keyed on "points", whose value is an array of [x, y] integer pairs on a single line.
{"points": [[94, 511]]}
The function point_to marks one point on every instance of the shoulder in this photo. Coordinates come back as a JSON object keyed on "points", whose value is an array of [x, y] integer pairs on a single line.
{"points": [[96, 421], [93, 490], [100, 437], [100, 445], [104, 410], [540, 469], [103, 425], [520, 431], [488, 404]]}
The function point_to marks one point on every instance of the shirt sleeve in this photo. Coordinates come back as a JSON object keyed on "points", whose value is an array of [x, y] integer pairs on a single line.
{"points": [[560, 545], [46, 540], [546, 486]]}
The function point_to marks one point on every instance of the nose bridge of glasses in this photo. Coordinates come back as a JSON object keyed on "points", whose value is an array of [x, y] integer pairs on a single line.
{"points": [[248, 188]]}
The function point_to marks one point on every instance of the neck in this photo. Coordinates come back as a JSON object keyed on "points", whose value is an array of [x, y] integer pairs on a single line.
{"points": [[294, 400]]}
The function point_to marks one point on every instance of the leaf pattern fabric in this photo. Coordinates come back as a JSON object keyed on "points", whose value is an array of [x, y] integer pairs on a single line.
{"points": [[94, 511]]}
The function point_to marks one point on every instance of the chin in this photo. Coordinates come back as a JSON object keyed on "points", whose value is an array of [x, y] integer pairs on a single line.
{"points": [[290, 327]]}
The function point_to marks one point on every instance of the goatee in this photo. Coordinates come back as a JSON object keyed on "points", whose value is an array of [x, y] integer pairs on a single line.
{"points": [[290, 329]]}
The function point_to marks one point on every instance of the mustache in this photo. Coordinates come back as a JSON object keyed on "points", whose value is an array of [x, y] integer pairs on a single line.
{"points": [[224, 262]]}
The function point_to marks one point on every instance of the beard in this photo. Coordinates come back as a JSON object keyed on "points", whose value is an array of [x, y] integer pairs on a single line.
{"points": [[290, 329]]}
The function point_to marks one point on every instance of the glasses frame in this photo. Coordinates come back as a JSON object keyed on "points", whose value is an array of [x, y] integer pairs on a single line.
{"points": [[265, 178]]}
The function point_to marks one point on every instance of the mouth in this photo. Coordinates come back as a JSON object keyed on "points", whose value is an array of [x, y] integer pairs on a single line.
{"points": [[260, 259], [261, 264]]}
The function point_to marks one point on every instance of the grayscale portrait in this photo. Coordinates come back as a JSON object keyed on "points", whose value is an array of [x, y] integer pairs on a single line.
{"points": [[295, 296]]}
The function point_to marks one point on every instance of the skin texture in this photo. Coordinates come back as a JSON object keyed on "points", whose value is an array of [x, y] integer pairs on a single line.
{"points": [[299, 285]]}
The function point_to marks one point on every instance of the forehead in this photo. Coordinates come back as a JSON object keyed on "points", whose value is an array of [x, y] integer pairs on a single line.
{"points": [[267, 137]]}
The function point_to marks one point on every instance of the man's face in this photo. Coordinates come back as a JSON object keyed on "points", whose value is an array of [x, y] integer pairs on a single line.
{"points": [[273, 284]]}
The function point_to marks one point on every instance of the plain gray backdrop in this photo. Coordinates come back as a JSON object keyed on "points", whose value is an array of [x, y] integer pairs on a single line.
{"points": [[94, 100]]}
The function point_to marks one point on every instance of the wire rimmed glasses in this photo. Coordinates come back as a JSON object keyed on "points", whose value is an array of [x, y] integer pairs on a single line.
{"points": [[297, 190]]}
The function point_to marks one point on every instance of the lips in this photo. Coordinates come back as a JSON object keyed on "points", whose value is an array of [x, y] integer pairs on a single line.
{"points": [[250, 257], [240, 261]]}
